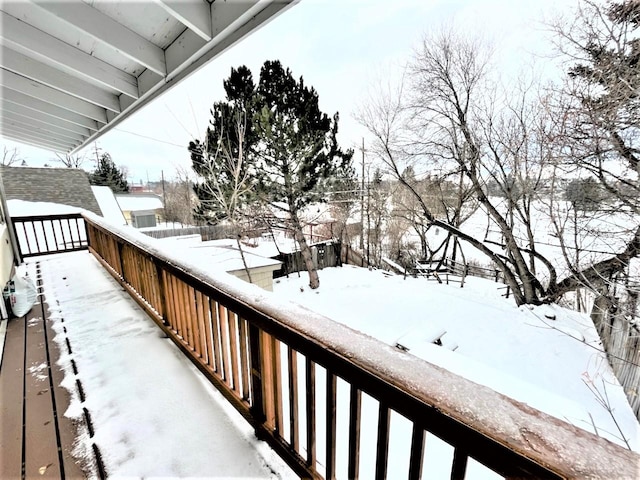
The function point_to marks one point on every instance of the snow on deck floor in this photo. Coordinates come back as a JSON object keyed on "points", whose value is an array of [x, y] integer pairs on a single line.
{"points": [[153, 413]]}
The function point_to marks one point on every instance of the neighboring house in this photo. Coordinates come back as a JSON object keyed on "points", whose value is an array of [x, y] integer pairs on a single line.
{"points": [[224, 255], [141, 209], [66, 186], [109, 205]]}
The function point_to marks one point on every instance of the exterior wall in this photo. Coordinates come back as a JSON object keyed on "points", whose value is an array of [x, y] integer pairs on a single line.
{"points": [[6, 255], [260, 276]]}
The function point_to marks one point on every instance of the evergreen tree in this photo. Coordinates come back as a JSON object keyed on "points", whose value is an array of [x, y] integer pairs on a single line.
{"points": [[107, 174], [298, 153], [290, 147]]}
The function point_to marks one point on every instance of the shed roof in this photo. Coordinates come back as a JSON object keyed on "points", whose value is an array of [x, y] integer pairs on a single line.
{"points": [[135, 202]]}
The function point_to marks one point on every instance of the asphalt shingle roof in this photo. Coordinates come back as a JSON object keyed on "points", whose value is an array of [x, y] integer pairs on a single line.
{"points": [[67, 186]]}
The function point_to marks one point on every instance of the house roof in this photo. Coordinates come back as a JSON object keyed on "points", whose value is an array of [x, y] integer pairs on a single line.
{"points": [[135, 202], [73, 70], [108, 204], [66, 186]]}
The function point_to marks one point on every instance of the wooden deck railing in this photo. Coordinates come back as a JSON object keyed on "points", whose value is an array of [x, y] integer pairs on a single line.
{"points": [[308, 385], [47, 234]]}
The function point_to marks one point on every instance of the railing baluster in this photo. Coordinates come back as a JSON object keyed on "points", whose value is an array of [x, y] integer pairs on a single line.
{"points": [[78, 230], [170, 313], [73, 243], [292, 358], [202, 327], [417, 452], [35, 235], [331, 426], [382, 449], [178, 306], [255, 356], [311, 413], [193, 321], [459, 467], [208, 329], [184, 304], [244, 358], [26, 237], [45, 236], [55, 238], [224, 343], [355, 399], [217, 344], [268, 395], [233, 350], [277, 385]]}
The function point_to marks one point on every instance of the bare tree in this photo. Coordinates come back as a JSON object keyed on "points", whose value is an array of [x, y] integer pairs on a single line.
{"points": [[446, 119], [179, 198], [10, 156], [597, 129], [224, 176], [71, 161]]}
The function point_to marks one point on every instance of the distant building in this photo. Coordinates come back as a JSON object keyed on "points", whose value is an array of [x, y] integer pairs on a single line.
{"points": [[141, 209]]}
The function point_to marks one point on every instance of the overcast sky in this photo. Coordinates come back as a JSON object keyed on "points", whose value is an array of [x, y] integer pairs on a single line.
{"points": [[340, 47]]}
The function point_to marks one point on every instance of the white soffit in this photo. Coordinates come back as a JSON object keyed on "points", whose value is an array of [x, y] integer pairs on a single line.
{"points": [[72, 70]]}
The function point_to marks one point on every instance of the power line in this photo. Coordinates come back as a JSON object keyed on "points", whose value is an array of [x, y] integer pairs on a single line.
{"points": [[151, 138]]}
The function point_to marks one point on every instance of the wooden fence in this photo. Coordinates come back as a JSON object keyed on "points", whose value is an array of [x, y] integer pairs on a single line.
{"points": [[292, 373], [207, 232], [47, 234], [324, 255]]}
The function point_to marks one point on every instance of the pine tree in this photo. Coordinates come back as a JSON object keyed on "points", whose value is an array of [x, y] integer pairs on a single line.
{"points": [[290, 145], [107, 174]]}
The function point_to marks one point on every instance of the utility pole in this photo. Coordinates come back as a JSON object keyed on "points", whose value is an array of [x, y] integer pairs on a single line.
{"points": [[362, 204]]}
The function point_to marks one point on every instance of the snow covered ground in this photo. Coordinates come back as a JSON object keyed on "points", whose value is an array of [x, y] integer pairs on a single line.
{"points": [[153, 413], [554, 365]]}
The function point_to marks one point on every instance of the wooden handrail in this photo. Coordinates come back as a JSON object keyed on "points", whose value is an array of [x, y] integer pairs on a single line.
{"points": [[266, 356]]}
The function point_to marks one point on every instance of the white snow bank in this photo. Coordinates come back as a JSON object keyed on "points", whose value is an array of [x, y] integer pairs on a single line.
{"points": [[22, 208]]}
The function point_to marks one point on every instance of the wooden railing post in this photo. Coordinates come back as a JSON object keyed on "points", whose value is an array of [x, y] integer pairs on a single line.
{"points": [[119, 250], [161, 291], [255, 364]]}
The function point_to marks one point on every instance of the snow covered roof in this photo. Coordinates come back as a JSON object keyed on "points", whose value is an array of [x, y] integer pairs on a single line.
{"points": [[65, 186], [133, 202], [22, 208], [108, 204], [222, 254]]}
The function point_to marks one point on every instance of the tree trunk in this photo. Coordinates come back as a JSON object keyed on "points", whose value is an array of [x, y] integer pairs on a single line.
{"points": [[244, 260], [314, 281]]}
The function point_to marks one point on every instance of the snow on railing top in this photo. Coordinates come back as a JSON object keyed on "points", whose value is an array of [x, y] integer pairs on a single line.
{"points": [[563, 448]]}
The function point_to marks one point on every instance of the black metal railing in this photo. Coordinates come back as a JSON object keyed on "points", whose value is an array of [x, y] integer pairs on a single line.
{"points": [[48, 234]]}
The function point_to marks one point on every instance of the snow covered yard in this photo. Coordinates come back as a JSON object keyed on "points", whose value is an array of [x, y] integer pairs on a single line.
{"points": [[547, 356], [153, 413]]}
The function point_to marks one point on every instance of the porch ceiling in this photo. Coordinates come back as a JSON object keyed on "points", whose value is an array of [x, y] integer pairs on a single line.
{"points": [[72, 70]]}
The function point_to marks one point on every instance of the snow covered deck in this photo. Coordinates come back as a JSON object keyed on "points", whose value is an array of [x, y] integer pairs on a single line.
{"points": [[36, 439], [98, 375]]}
